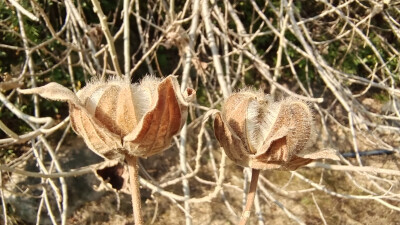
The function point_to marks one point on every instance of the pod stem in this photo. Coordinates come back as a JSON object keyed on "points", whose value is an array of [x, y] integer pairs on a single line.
{"points": [[134, 188], [250, 196]]}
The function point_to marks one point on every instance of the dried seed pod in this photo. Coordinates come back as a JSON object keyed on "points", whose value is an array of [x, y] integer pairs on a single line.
{"points": [[116, 118], [259, 133], [113, 175]]}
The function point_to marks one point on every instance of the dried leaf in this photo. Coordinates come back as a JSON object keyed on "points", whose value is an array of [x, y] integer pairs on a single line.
{"points": [[112, 175], [53, 91], [323, 154], [8, 85]]}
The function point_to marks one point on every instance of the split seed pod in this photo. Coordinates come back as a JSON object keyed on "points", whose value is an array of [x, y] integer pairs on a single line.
{"points": [[117, 118], [259, 133]]}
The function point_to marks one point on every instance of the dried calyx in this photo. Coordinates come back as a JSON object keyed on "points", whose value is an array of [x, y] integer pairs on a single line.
{"points": [[117, 118], [259, 133]]}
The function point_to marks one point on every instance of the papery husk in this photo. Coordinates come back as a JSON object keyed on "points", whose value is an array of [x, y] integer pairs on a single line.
{"points": [[96, 136], [158, 126], [284, 144], [116, 118], [113, 175]]}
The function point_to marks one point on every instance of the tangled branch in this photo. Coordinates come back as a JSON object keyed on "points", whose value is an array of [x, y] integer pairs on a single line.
{"points": [[342, 57]]}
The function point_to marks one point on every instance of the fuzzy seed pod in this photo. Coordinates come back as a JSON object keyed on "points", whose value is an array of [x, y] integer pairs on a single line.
{"points": [[259, 133], [117, 118]]}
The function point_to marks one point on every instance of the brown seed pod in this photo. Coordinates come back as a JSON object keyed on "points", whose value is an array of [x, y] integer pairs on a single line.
{"points": [[117, 118], [259, 133], [113, 175]]}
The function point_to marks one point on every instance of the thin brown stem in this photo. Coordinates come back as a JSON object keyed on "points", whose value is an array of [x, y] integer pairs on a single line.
{"points": [[250, 196], [134, 188]]}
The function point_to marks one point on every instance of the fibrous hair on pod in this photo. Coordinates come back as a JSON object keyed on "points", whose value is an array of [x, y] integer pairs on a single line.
{"points": [[261, 114], [307, 140]]}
